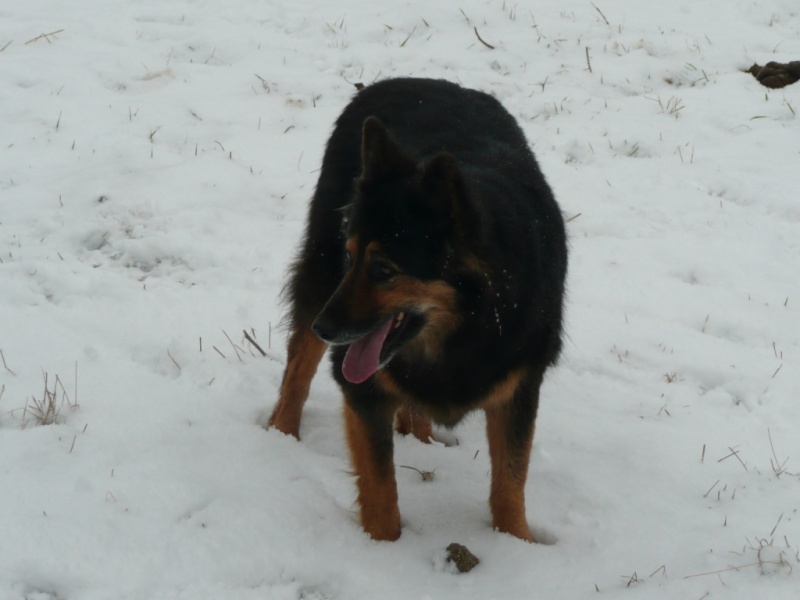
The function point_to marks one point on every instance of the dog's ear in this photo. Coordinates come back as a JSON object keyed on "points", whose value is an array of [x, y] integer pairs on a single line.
{"points": [[380, 154], [443, 187]]}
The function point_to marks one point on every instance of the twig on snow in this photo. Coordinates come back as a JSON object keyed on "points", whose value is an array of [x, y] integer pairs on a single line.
{"points": [[42, 35], [481, 40], [235, 347], [736, 454], [175, 362], [2, 356], [573, 217], [778, 467], [601, 13], [252, 341]]}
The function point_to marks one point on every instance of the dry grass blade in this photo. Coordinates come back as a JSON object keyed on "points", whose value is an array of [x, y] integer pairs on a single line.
{"points": [[249, 338], [2, 356], [573, 217], [778, 467], [631, 579], [662, 569], [719, 571], [426, 475], [408, 37], [776, 525], [711, 488], [735, 453], [761, 562], [43, 35], [600, 13], [481, 40], [235, 347], [47, 409], [175, 362], [264, 83]]}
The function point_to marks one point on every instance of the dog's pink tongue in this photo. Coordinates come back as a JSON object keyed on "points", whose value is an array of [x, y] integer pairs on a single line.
{"points": [[364, 356]]}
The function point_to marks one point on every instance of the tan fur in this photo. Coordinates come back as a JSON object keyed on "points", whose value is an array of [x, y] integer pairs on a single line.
{"points": [[409, 420], [436, 299], [503, 390], [352, 245], [377, 487], [304, 352], [507, 495]]}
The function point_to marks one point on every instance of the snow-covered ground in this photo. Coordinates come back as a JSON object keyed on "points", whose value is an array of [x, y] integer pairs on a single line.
{"points": [[155, 163]]}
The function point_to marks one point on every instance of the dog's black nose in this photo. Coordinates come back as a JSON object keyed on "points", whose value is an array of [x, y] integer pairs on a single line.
{"points": [[324, 328]]}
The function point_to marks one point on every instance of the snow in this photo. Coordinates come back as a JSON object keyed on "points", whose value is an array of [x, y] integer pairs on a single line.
{"points": [[155, 164]]}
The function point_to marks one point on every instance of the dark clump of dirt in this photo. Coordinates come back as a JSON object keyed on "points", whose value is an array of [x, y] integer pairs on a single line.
{"points": [[461, 557], [776, 75]]}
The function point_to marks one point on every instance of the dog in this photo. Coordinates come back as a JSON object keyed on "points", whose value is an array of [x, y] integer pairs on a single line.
{"points": [[433, 266]]}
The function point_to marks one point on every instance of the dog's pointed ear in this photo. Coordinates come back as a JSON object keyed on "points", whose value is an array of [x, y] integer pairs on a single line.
{"points": [[443, 185], [380, 154]]}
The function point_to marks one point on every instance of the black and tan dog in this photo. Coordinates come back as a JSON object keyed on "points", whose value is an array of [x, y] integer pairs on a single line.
{"points": [[433, 264]]}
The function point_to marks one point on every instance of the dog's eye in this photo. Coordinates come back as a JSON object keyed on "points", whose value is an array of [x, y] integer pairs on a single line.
{"points": [[380, 270]]}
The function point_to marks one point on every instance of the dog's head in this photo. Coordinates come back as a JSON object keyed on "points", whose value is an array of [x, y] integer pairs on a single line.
{"points": [[406, 233]]}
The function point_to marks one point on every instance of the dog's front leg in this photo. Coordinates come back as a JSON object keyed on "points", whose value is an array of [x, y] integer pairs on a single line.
{"points": [[509, 427], [304, 352], [369, 436]]}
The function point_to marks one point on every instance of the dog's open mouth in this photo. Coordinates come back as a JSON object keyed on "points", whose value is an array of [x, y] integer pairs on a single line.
{"points": [[367, 354]]}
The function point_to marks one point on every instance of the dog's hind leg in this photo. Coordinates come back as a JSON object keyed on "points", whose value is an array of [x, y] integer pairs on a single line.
{"points": [[369, 436], [410, 420], [304, 352], [509, 427]]}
